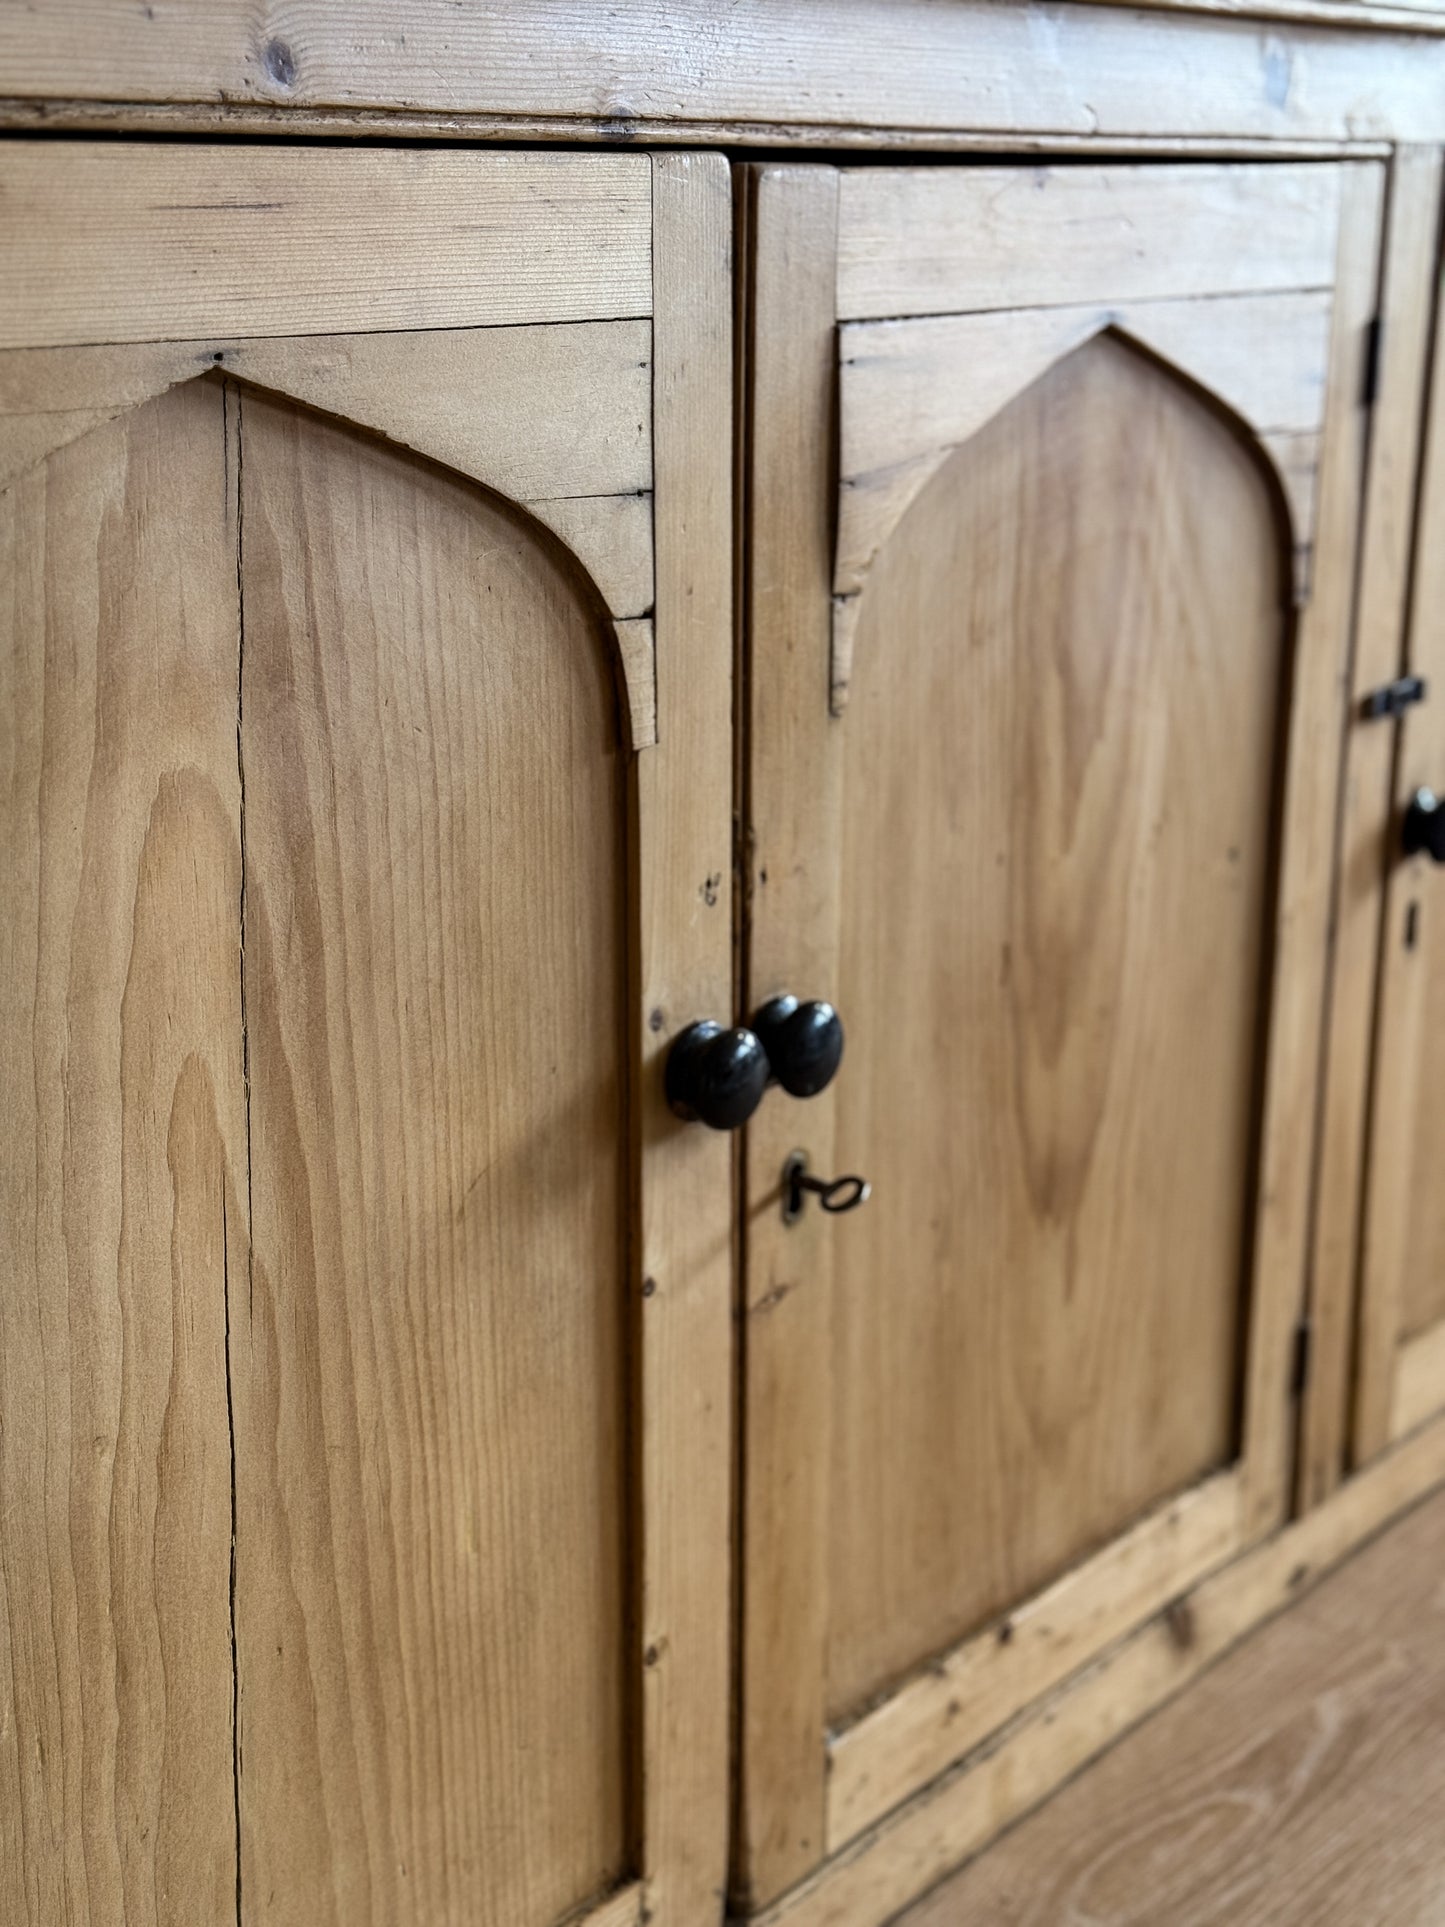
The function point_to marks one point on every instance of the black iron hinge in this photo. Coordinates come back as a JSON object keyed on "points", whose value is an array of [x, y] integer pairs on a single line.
{"points": [[1374, 342], [1300, 1368]]}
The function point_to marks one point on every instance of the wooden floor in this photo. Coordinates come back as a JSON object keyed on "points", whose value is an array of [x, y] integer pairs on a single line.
{"points": [[1301, 1781]]}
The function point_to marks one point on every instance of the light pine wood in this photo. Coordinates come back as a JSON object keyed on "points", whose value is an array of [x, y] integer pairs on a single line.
{"points": [[911, 391], [1419, 1380], [637, 664], [1297, 1785], [622, 1909], [1401, 1291], [794, 805], [870, 1882], [1007, 75], [430, 1592], [1366, 829], [1081, 898], [430, 1589], [122, 1172], [683, 1275], [535, 412], [556, 418], [257, 245], [1413, 15], [944, 1711], [212, 120], [862, 1308], [1302, 911], [917, 241]]}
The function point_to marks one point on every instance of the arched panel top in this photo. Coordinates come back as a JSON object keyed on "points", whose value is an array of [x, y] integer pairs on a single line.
{"points": [[554, 419], [913, 391]]}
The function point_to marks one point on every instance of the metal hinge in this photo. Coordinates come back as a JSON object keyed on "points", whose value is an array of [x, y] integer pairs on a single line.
{"points": [[1374, 342], [1300, 1369], [1394, 698]]}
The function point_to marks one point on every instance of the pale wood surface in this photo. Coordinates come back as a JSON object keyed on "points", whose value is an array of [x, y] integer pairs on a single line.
{"points": [[155, 242], [792, 836], [211, 120], [1403, 1245], [1411, 14], [1419, 1380], [683, 1263], [535, 412], [1367, 830], [1355, 916], [622, 1909], [909, 391], [428, 1362], [914, 241], [917, 67], [1302, 910], [122, 1172], [430, 672], [1067, 937], [869, 1882], [949, 1707], [1299, 1784], [557, 418], [893, 1524]]}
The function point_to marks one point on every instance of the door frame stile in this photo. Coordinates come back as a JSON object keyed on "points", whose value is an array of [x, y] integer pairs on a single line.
{"points": [[682, 1273], [1303, 901], [1391, 1380], [795, 771], [1340, 1342]]}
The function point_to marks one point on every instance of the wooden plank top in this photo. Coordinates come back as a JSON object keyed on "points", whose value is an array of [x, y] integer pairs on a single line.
{"points": [[919, 71]]}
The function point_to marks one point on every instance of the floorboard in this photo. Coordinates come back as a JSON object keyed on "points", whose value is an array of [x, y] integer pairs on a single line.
{"points": [[1300, 1783]]}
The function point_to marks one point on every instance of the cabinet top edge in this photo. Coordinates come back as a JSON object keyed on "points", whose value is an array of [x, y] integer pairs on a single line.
{"points": [[1300, 76]]}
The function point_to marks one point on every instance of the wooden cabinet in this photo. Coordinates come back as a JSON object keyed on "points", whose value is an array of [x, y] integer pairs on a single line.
{"points": [[1045, 701], [364, 1338], [468, 613]]}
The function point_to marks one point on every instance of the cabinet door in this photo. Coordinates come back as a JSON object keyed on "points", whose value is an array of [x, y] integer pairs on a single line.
{"points": [[366, 653], [1401, 1362], [1047, 628]]}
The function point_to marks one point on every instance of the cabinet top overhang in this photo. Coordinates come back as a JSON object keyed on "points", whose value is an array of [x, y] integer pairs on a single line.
{"points": [[1210, 76]]}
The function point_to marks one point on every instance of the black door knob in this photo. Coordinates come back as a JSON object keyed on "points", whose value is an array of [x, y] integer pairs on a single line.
{"points": [[804, 1043], [714, 1076], [1424, 826]]}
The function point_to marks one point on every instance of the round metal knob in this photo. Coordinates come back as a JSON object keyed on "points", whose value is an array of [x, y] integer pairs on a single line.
{"points": [[804, 1043], [1424, 826], [714, 1076]]}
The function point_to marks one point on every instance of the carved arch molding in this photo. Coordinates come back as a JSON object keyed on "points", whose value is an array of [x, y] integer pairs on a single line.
{"points": [[911, 392], [555, 418]]}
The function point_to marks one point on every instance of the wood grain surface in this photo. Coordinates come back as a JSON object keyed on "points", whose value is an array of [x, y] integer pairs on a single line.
{"points": [[1403, 1275], [953, 1704], [794, 797], [1298, 1784], [917, 241], [1055, 969], [122, 1172], [233, 240], [428, 1362], [683, 1259], [761, 68]]}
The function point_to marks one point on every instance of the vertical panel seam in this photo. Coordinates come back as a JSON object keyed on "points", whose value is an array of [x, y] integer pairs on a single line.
{"points": [[246, 1095]]}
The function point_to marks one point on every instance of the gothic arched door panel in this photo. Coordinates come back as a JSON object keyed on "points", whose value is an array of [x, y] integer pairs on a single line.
{"points": [[1046, 639], [364, 1518]]}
